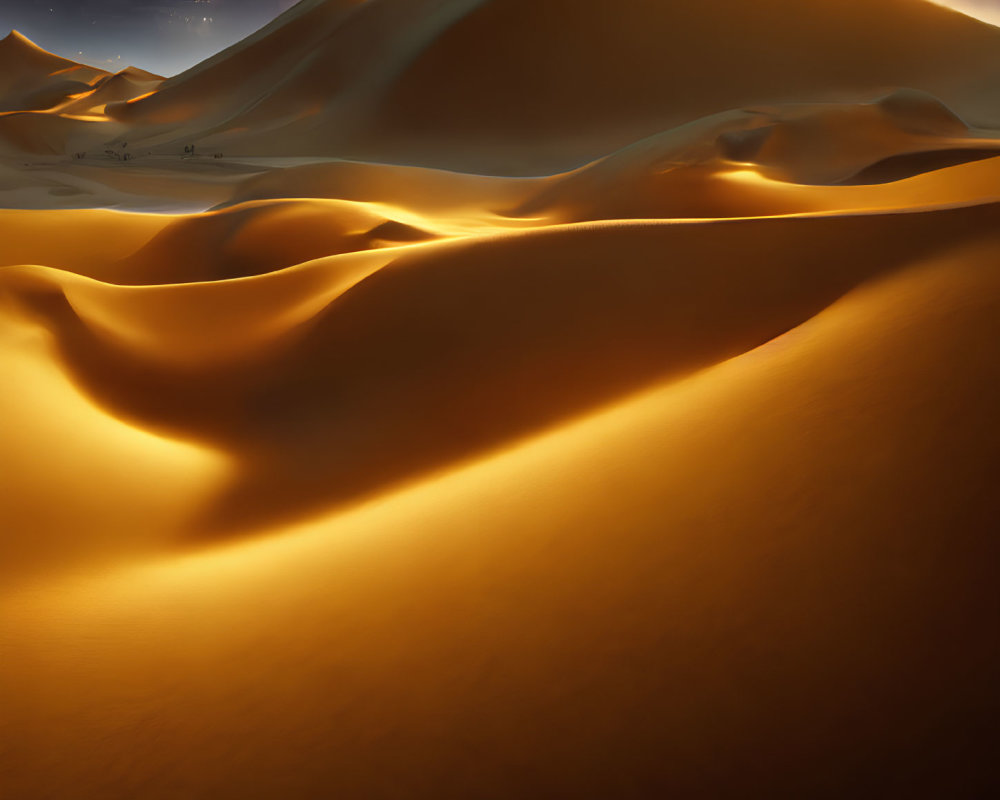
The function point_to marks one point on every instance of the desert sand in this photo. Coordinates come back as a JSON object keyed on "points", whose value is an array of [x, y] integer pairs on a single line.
{"points": [[534, 400]]}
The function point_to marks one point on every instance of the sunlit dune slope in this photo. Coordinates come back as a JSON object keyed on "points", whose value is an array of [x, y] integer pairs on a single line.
{"points": [[721, 587], [33, 79], [50, 105], [605, 407], [333, 349], [122, 86], [644, 181], [88, 243], [436, 192]]}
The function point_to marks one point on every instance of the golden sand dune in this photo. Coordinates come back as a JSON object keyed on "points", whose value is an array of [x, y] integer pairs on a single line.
{"points": [[32, 79], [122, 86], [669, 471], [51, 105]]}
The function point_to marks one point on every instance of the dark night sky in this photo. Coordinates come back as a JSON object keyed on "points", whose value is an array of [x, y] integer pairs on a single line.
{"points": [[164, 36], [168, 36]]}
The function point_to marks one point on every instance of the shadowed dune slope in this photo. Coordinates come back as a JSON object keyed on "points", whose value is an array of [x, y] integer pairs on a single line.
{"points": [[657, 461], [781, 568], [50, 105], [416, 356], [122, 86], [659, 178], [424, 190], [527, 86], [40, 133], [338, 330], [34, 79]]}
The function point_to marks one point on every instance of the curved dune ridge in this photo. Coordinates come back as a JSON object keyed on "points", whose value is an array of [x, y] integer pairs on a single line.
{"points": [[34, 79], [531, 400]]}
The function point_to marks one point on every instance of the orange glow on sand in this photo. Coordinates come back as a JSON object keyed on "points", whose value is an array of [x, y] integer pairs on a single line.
{"points": [[420, 400]]}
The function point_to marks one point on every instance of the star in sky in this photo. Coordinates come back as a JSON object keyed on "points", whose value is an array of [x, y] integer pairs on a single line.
{"points": [[164, 36]]}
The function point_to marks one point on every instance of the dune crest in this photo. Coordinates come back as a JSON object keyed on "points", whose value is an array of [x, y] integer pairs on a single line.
{"points": [[33, 79]]}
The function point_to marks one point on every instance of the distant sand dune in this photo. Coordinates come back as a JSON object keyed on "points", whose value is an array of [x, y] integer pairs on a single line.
{"points": [[33, 79], [50, 105], [442, 84]]}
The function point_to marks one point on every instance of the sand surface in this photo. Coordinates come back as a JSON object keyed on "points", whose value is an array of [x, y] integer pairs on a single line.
{"points": [[534, 400]]}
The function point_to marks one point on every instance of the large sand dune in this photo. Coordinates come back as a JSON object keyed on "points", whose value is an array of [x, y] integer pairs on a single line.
{"points": [[50, 105], [526, 86], [32, 79], [667, 471]]}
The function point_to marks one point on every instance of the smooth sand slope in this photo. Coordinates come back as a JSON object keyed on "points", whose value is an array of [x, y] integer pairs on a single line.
{"points": [[32, 79], [50, 105], [670, 472], [525, 87]]}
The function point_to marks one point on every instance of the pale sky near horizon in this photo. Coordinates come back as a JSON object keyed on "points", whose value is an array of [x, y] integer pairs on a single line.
{"points": [[987, 10], [164, 36]]}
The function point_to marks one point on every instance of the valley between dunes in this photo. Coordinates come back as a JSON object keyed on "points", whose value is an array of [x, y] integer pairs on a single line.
{"points": [[505, 414]]}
